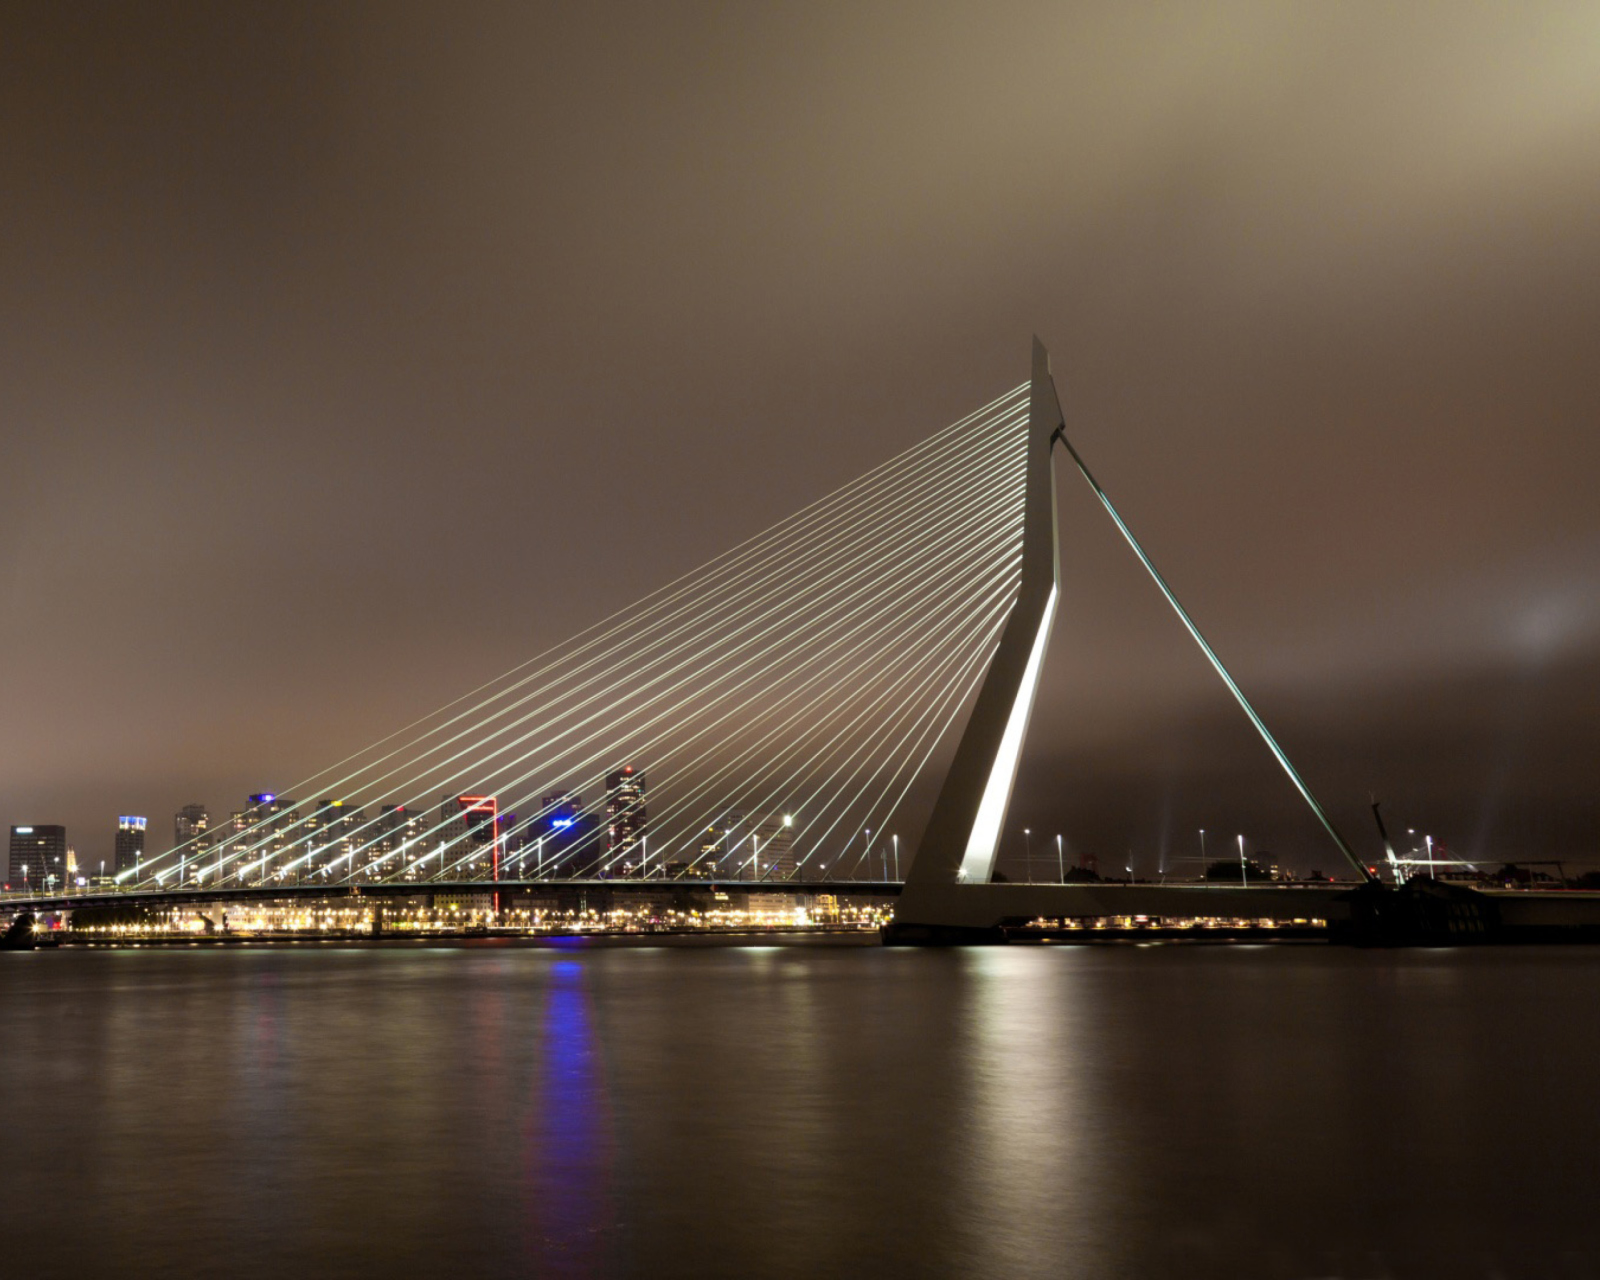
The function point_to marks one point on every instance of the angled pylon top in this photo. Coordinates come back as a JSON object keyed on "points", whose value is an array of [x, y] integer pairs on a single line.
{"points": [[963, 832]]}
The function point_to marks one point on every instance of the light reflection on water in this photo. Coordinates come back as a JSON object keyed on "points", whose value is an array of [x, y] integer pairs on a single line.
{"points": [[799, 1111], [568, 1205]]}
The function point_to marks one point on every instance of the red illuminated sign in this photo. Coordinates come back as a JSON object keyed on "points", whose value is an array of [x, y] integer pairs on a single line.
{"points": [[491, 806]]}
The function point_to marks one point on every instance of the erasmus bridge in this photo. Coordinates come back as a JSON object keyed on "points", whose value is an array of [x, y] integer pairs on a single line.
{"points": [[795, 702]]}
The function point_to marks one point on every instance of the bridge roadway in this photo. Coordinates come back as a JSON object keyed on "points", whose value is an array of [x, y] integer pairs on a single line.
{"points": [[1550, 915], [16, 904], [1018, 901]]}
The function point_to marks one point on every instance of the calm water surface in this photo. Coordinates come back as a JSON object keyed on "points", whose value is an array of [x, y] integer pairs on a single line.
{"points": [[805, 1110]]}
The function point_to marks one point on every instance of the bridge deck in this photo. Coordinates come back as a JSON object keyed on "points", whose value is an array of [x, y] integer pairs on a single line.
{"points": [[975, 906]]}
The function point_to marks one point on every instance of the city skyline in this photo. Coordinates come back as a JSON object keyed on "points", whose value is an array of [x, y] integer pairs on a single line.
{"points": [[275, 837]]}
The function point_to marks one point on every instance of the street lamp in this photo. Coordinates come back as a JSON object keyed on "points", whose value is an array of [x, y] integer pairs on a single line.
{"points": [[896, 840], [1244, 870], [1027, 857], [1061, 861]]}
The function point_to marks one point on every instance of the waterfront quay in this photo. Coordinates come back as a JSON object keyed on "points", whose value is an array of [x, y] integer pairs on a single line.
{"points": [[609, 909], [1420, 913], [471, 909], [597, 908]]}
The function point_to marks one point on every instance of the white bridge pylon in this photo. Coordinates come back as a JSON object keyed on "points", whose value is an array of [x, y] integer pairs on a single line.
{"points": [[962, 837], [948, 894]]}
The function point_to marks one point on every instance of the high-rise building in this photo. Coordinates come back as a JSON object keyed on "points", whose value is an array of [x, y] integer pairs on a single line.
{"points": [[713, 844], [350, 850], [191, 833], [129, 852], [393, 840], [478, 854], [333, 835], [468, 843], [559, 809], [625, 816], [189, 822], [563, 834], [38, 857], [259, 837], [720, 839], [772, 848], [386, 831]]}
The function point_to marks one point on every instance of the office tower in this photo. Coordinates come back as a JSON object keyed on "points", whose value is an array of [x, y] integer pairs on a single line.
{"points": [[259, 837], [129, 852], [713, 844], [332, 837], [38, 857], [772, 848], [188, 823], [477, 853], [467, 842], [563, 834], [625, 816], [449, 840], [398, 843], [350, 849], [720, 839], [385, 839], [191, 834]]}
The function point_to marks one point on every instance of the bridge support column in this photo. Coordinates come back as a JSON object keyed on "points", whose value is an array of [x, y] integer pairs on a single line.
{"points": [[963, 833]]}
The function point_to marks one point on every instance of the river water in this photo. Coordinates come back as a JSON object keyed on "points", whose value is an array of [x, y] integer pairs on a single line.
{"points": [[800, 1110]]}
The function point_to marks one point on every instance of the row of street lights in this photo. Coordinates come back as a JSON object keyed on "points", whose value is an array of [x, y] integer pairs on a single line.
{"points": [[1061, 861]]}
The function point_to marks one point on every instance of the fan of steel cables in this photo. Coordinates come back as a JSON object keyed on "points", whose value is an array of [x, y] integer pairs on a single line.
{"points": [[760, 716]]}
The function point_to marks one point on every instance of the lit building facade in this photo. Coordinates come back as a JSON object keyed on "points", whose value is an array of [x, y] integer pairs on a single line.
{"points": [[333, 835], [469, 837], [395, 841], [772, 851], [626, 815], [259, 837], [128, 852], [189, 823], [563, 834], [191, 832], [37, 857]]}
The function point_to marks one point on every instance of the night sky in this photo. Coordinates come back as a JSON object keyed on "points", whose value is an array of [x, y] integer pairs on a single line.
{"points": [[354, 353]]}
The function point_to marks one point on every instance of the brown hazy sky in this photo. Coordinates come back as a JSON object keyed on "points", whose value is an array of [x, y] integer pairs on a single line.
{"points": [[352, 353]]}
